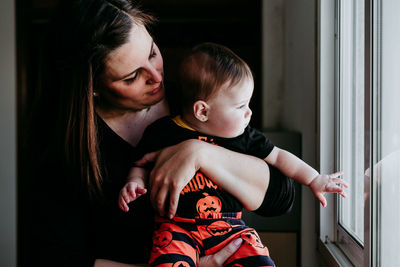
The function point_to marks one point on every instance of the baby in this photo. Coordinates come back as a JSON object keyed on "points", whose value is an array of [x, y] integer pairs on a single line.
{"points": [[216, 88]]}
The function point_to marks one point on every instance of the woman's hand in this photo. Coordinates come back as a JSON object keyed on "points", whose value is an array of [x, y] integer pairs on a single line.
{"points": [[218, 259], [245, 177], [174, 168]]}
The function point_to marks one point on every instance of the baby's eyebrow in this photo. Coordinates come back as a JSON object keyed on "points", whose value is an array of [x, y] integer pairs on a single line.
{"points": [[243, 101]]}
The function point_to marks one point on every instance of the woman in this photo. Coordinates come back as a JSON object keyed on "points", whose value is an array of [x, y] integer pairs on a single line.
{"points": [[104, 78]]}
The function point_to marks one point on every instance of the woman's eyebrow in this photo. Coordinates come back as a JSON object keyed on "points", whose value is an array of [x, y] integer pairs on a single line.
{"points": [[129, 74]]}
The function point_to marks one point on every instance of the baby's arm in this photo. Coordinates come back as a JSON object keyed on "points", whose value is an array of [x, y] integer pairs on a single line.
{"points": [[134, 187], [303, 173]]}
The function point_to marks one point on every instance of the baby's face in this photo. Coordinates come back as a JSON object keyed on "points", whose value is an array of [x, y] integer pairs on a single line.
{"points": [[229, 111]]}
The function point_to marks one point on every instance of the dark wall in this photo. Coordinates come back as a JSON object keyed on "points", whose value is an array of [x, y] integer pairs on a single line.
{"points": [[235, 24], [181, 24]]}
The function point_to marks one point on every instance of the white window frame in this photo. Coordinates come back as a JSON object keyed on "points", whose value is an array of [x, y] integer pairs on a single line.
{"points": [[381, 136], [353, 248], [336, 246]]}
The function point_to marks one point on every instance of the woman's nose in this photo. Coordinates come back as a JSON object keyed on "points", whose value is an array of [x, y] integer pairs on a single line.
{"points": [[154, 75]]}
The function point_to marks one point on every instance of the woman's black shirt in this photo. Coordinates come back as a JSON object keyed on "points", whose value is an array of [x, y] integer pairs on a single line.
{"points": [[64, 227]]}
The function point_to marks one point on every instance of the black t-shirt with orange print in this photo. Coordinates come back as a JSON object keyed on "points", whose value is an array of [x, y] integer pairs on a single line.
{"points": [[201, 197]]}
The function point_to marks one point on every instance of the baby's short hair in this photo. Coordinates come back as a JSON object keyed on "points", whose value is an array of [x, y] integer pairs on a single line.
{"points": [[206, 69]]}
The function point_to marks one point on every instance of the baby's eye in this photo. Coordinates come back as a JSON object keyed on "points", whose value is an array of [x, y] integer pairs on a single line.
{"points": [[242, 106]]}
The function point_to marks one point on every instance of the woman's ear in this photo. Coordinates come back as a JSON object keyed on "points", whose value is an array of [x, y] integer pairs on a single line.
{"points": [[200, 110]]}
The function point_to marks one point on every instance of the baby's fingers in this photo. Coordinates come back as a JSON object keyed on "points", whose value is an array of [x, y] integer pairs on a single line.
{"points": [[321, 199], [140, 191], [132, 193], [127, 198], [122, 204], [336, 174], [333, 188], [340, 181]]}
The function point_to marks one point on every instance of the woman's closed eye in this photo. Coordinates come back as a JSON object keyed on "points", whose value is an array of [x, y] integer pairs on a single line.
{"points": [[153, 53], [131, 79]]}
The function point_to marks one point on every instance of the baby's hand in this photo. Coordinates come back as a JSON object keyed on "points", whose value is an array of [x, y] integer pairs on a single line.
{"points": [[129, 193], [327, 183]]}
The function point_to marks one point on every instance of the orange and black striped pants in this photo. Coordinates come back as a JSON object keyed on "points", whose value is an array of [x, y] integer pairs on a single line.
{"points": [[180, 242]]}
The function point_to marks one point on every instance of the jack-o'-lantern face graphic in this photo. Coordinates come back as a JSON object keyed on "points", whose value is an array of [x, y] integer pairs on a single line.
{"points": [[219, 228], [181, 264], [161, 239], [208, 205], [252, 239]]}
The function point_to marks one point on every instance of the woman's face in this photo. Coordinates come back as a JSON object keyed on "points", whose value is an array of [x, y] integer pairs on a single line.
{"points": [[133, 73]]}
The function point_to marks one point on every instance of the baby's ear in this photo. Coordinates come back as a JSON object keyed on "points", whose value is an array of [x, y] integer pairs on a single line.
{"points": [[200, 110]]}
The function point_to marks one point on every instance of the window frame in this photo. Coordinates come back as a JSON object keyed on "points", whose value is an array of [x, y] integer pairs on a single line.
{"points": [[351, 247], [336, 246]]}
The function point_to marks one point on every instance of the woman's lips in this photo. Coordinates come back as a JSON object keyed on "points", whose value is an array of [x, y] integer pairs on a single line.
{"points": [[155, 90]]}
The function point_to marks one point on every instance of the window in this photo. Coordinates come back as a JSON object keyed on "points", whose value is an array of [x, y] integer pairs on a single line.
{"points": [[350, 114], [350, 124], [385, 173], [359, 103]]}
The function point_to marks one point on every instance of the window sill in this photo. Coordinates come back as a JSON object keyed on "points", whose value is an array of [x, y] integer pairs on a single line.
{"points": [[331, 255]]}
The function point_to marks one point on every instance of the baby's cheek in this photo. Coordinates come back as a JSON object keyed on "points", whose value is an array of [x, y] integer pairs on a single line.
{"points": [[231, 128]]}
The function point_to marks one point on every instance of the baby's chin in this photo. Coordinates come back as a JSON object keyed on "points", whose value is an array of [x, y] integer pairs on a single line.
{"points": [[241, 132], [235, 134]]}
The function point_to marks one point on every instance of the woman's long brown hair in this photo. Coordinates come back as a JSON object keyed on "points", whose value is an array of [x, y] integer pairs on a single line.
{"points": [[82, 35]]}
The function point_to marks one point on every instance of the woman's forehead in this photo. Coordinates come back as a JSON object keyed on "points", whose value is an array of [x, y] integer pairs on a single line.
{"points": [[131, 55]]}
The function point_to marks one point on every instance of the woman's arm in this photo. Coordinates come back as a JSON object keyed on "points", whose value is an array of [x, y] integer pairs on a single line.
{"points": [[245, 177]]}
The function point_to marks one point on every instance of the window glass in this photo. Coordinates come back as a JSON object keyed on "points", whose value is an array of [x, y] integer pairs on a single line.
{"points": [[351, 115], [386, 175]]}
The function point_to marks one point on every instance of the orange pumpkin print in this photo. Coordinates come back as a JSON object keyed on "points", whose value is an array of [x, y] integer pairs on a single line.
{"points": [[219, 228], [252, 239], [161, 239], [208, 205]]}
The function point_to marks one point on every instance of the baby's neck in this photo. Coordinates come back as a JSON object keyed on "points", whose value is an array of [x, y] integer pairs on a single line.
{"points": [[195, 124], [191, 121]]}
